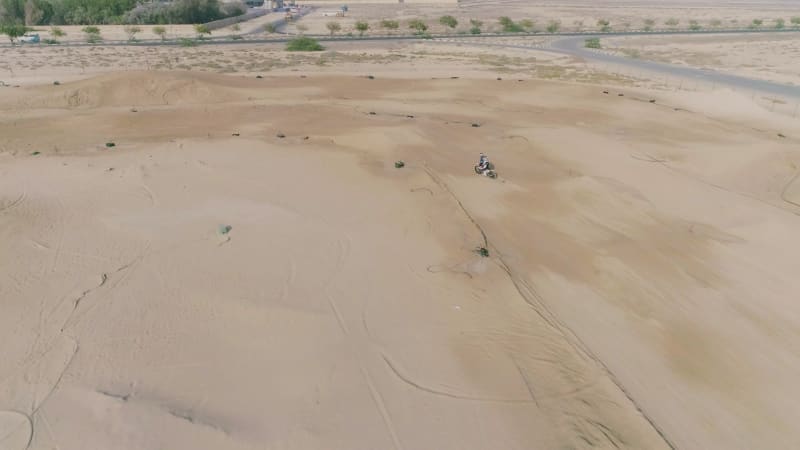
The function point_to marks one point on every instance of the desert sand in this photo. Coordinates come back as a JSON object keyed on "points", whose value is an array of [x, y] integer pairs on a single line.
{"points": [[246, 268], [638, 291]]}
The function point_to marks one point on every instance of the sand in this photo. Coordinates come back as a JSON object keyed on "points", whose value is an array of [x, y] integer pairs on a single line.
{"points": [[245, 268], [638, 293]]}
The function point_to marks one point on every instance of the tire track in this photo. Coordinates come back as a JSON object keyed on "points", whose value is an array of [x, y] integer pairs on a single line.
{"points": [[537, 303]]}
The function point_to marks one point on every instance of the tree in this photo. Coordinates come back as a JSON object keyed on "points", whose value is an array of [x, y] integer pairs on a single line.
{"points": [[362, 27], [604, 24], [33, 13], [92, 34], [648, 24], [201, 29], [553, 26], [333, 27], [13, 31], [132, 31], [448, 21], [694, 25], [780, 24], [390, 25], [672, 22], [418, 25]]}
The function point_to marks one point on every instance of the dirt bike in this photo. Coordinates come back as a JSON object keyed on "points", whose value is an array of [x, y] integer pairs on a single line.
{"points": [[488, 171]]}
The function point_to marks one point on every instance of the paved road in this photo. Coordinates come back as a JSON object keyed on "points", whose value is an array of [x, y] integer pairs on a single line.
{"points": [[569, 43], [575, 46]]}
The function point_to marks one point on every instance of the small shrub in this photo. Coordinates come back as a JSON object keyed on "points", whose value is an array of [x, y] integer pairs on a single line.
{"points": [[160, 32], [418, 25], [304, 44], [716, 23], [694, 25], [333, 27], [201, 30], [672, 22], [236, 28], [390, 25], [527, 24], [780, 24], [509, 26], [132, 31], [186, 42], [448, 21], [92, 34], [553, 26], [756, 23], [795, 21], [475, 30], [270, 28], [593, 43], [56, 33], [605, 25], [362, 27]]}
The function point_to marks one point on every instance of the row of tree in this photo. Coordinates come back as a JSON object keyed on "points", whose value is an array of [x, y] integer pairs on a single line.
{"points": [[96, 12], [526, 25]]}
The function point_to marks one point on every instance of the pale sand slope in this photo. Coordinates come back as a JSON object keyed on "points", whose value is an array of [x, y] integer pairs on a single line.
{"points": [[346, 308]]}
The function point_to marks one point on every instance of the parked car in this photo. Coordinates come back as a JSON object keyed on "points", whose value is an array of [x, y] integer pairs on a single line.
{"points": [[30, 38]]}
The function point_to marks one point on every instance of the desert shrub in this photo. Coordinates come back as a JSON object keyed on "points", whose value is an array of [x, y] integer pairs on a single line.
{"points": [[553, 26], [593, 43], [604, 24], [418, 25], [448, 21], [390, 24], [694, 25], [92, 33], [160, 32], [509, 26], [672, 22], [304, 44], [361, 27], [333, 27]]}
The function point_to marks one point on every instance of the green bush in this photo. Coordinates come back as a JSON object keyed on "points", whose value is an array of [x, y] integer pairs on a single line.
{"points": [[390, 24], [448, 21], [13, 31], [475, 30], [418, 25], [362, 27], [509, 26], [92, 34], [605, 25], [304, 44], [593, 43], [553, 26]]}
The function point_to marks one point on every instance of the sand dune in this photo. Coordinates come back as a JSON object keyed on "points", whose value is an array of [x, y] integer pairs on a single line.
{"points": [[208, 284]]}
